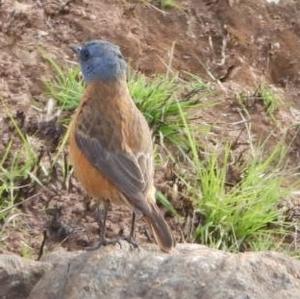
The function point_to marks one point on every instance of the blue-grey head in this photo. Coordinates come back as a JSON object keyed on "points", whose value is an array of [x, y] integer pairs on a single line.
{"points": [[100, 60]]}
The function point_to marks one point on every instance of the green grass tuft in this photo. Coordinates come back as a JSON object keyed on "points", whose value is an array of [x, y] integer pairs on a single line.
{"points": [[238, 217], [165, 4], [16, 168], [66, 87], [263, 95], [157, 99], [162, 199], [271, 101]]}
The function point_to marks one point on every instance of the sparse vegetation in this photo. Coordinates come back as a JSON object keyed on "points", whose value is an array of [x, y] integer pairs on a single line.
{"points": [[271, 101], [167, 3], [245, 216], [16, 170], [66, 87], [263, 95], [164, 4], [242, 216], [236, 217]]}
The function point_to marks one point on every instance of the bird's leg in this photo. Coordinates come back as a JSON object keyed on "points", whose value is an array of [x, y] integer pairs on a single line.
{"points": [[130, 238], [101, 219], [132, 225]]}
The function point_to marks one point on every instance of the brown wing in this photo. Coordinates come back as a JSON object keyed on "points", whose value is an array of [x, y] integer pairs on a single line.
{"points": [[100, 139]]}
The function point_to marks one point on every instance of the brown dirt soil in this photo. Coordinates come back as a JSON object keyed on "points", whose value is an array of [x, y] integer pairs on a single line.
{"points": [[241, 43]]}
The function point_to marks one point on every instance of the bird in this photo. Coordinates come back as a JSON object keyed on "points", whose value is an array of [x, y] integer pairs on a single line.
{"points": [[110, 142]]}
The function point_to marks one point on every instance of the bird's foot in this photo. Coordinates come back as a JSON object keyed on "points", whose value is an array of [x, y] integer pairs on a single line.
{"points": [[130, 240], [104, 242]]}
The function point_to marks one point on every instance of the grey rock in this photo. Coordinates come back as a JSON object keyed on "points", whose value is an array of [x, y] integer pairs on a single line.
{"points": [[190, 271], [18, 276]]}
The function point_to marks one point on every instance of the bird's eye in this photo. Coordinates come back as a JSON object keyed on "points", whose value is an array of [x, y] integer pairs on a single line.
{"points": [[85, 54], [120, 56]]}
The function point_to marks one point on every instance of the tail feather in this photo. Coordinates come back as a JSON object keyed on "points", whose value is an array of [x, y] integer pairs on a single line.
{"points": [[160, 228]]}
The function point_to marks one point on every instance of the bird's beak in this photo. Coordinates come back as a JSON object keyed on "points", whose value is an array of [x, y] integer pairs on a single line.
{"points": [[76, 49]]}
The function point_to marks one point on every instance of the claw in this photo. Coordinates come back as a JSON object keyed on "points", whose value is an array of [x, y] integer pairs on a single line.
{"points": [[131, 241], [104, 243]]}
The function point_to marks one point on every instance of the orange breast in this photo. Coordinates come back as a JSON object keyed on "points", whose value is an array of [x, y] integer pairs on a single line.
{"points": [[91, 178]]}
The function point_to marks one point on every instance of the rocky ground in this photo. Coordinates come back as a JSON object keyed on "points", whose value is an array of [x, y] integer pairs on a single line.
{"points": [[235, 44], [191, 271]]}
